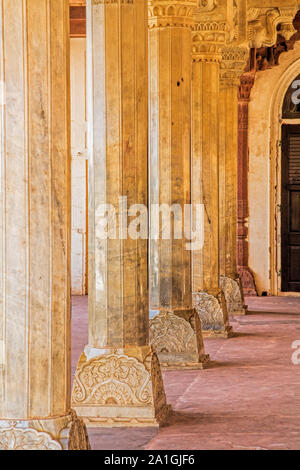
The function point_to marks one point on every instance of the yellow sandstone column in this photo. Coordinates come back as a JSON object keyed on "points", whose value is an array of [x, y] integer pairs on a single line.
{"points": [[175, 329], [209, 300], [232, 65], [35, 375], [118, 380]]}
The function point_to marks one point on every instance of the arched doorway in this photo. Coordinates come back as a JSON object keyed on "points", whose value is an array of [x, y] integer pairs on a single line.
{"points": [[290, 187], [266, 124]]}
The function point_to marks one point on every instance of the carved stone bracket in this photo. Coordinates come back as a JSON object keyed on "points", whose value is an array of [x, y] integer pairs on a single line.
{"points": [[212, 310], [178, 340], [120, 388], [63, 433], [264, 23]]}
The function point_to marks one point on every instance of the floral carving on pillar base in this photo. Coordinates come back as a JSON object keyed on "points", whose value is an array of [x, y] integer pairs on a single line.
{"points": [[234, 297], [63, 433], [120, 388], [177, 339], [212, 310]]}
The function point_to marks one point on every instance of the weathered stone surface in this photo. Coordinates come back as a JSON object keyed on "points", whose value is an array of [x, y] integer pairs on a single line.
{"points": [[233, 293], [123, 388], [178, 340], [212, 310]]}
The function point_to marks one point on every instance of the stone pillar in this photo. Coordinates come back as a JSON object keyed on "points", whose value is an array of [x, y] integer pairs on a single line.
{"points": [[118, 380], [233, 62], [35, 376], [209, 300], [246, 276], [175, 328]]}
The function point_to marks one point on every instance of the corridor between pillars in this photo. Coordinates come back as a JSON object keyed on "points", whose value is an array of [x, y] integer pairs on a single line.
{"points": [[232, 65], [118, 379], [35, 330], [207, 42], [175, 329]]}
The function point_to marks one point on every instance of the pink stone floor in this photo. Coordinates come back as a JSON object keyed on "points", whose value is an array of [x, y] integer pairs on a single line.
{"points": [[248, 399]]}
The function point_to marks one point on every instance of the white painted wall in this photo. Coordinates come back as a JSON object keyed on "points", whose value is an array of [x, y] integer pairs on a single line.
{"points": [[79, 165], [259, 179]]}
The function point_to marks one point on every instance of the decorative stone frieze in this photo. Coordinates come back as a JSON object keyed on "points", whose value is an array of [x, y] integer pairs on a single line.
{"points": [[234, 60], [208, 39]]}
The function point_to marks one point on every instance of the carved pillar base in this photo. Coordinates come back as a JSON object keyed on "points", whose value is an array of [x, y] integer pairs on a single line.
{"points": [[234, 296], [119, 387], [211, 307], [247, 280], [177, 338], [61, 433]]}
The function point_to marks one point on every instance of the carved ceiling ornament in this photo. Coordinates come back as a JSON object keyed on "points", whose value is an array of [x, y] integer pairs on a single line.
{"points": [[171, 13], [264, 24]]}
